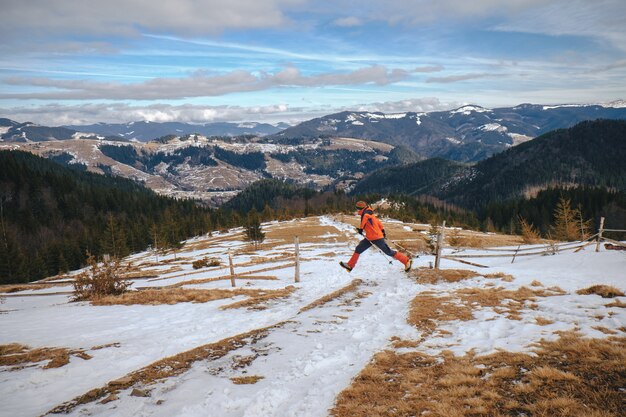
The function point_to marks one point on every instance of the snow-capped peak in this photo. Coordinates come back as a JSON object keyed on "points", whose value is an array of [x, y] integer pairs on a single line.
{"points": [[466, 110], [617, 104]]}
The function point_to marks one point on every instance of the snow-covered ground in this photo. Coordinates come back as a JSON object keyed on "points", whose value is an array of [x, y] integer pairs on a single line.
{"points": [[310, 357]]}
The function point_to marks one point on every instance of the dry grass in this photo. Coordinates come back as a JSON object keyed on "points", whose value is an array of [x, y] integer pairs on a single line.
{"points": [[353, 286], [604, 291], [432, 276], [308, 230], [242, 380], [166, 368], [259, 300], [543, 321], [17, 356], [13, 288], [617, 303], [427, 310], [501, 275], [571, 377], [181, 295]]}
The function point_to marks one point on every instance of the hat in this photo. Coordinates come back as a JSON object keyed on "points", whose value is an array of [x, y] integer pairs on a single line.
{"points": [[361, 204]]}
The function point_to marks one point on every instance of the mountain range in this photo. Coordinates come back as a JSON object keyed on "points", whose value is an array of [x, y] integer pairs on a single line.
{"points": [[334, 151], [467, 134], [592, 153], [11, 131]]}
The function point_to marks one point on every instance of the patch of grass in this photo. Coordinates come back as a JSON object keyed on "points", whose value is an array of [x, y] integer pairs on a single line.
{"points": [[166, 368], [16, 356], [242, 380], [543, 321], [427, 310], [353, 286], [604, 291], [617, 303], [205, 262], [432, 276], [501, 275], [572, 376], [260, 298], [182, 295]]}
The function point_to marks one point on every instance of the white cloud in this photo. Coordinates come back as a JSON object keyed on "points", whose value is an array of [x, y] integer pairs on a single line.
{"points": [[128, 17], [199, 84], [418, 105], [461, 77], [57, 114], [350, 21]]}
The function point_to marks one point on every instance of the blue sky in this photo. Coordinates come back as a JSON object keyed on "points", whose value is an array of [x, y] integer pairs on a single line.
{"points": [[75, 62]]}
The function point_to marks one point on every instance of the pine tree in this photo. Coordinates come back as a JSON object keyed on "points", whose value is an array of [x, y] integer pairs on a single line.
{"points": [[565, 225], [253, 228], [529, 233]]}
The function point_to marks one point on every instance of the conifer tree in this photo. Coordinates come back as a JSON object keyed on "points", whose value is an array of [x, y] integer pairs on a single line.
{"points": [[254, 233], [565, 225], [529, 233]]}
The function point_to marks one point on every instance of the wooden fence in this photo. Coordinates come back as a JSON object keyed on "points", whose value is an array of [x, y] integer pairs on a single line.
{"points": [[536, 250]]}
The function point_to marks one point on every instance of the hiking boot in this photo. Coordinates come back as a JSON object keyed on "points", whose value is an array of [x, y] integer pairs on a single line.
{"points": [[407, 266], [345, 266]]}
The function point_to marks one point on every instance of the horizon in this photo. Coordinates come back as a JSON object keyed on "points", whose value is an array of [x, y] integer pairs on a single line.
{"points": [[200, 62], [622, 103]]}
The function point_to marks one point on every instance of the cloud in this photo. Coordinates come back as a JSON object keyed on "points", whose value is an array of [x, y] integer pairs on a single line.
{"points": [[128, 17], [199, 84], [615, 65], [429, 68], [418, 105], [57, 114], [350, 21], [461, 77], [601, 19]]}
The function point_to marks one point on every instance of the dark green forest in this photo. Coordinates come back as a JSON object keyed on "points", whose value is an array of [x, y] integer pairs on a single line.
{"points": [[51, 216]]}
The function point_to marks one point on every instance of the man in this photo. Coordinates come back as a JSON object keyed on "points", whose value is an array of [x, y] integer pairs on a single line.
{"points": [[374, 234]]}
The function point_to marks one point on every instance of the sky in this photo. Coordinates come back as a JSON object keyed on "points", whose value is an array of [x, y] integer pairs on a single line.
{"points": [[200, 61]]}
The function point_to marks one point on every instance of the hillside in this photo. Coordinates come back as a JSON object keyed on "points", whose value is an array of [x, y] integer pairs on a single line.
{"points": [[590, 154], [467, 134], [51, 216], [215, 169], [522, 337]]}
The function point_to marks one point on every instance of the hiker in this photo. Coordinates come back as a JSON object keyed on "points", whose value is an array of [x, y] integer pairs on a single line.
{"points": [[374, 234]]}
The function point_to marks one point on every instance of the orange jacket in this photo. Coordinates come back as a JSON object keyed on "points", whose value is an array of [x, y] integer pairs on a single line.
{"points": [[373, 228]]}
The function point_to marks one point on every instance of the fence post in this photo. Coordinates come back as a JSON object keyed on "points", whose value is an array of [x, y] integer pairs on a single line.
{"points": [[296, 242], [600, 234], [440, 244], [515, 254], [232, 269]]}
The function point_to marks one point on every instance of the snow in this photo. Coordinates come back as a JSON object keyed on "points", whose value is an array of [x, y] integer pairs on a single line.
{"points": [[493, 127], [309, 359], [561, 106], [467, 110]]}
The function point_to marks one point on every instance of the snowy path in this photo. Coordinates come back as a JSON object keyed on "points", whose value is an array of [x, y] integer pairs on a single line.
{"points": [[304, 364]]}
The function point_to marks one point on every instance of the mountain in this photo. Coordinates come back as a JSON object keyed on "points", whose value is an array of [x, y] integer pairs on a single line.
{"points": [[467, 134], [11, 131], [146, 131], [591, 153], [215, 169]]}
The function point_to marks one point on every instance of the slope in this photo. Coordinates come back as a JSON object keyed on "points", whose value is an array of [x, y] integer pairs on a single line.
{"points": [[294, 355], [51, 215], [591, 154]]}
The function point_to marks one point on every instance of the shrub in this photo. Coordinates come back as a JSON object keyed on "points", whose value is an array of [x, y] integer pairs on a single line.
{"points": [[604, 291], [205, 262], [101, 279]]}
